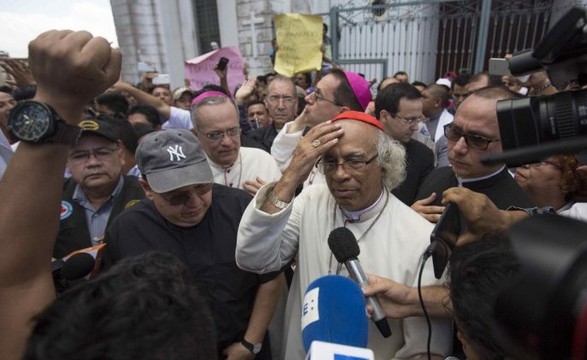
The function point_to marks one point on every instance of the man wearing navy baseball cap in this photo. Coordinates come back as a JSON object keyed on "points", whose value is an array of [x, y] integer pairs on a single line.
{"points": [[186, 214]]}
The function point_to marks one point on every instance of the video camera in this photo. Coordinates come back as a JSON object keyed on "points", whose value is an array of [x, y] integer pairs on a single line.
{"points": [[534, 128], [543, 313]]}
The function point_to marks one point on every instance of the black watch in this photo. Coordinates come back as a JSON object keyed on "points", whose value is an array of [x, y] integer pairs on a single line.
{"points": [[254, 348], [34, 122]]}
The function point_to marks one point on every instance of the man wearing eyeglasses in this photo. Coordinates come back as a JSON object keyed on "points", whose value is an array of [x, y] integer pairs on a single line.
{"points": [[336, 92], [282, 104], [361, 165], [399, 108], [97, 191], [473, 135], [216, 124], [186, 214]]}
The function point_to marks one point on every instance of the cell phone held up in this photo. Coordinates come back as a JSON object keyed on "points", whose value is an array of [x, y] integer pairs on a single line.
{"points": [[445, 234], [222, 64]]}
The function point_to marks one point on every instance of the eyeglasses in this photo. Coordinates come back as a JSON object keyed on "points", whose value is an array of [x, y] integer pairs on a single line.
{"points": [[410, 121], [101, 154], [351, 165], [317, 94], [183, 197], [288, 100], [474, 141], [219, 135]]}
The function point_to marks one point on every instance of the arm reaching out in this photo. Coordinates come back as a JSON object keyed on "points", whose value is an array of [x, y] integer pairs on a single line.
{"points": [[70, 69]]}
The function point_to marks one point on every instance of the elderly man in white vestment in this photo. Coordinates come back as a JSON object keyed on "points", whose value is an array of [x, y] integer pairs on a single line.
{"points": [[361, 165]]}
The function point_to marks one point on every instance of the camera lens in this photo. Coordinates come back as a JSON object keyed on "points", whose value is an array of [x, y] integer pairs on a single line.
{"points": [[536, 120]]}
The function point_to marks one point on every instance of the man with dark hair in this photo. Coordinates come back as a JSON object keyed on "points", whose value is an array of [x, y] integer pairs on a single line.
{"points": [[97, 191], [399, 108], [435, 100], [186, 214], [336, 92], [144, 114], [481, 80], [419, 85], [151, 298], [282, 104], [459, 89], [111, 103], [257, 114], [473, 135], [401, 76], [477, 271], [162, 93]]}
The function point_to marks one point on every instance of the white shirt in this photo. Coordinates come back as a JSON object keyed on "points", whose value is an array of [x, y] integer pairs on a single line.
{"points": [[250, 163], [392, 248], [178, 119], [5, 153]]}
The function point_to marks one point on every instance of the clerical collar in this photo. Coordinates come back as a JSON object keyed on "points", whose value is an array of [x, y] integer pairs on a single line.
{"points": [[461, 181], [353, 216]]}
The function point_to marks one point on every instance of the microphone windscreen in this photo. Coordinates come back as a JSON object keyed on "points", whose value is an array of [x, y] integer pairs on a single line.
{"points": [[334, 312], [343, 244], [78, 266]]}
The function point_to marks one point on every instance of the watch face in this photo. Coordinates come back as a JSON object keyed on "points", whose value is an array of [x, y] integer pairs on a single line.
{"points": [[30, 121]]}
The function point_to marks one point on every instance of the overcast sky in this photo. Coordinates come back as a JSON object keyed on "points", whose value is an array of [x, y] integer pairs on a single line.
{"points": [[22, 20]]}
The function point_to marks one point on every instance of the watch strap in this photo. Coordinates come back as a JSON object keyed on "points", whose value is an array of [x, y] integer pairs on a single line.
{"points": [[253, 348], [276, 201], [65, 133]]}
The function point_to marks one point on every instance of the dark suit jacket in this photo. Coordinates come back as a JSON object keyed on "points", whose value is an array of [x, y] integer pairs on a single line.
{"points": [[419, 163], [264, 136], [500, 188], [73, 229]]}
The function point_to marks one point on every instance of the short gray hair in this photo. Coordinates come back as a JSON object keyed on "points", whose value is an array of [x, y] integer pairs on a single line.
{"points": [[212, 100], [392, 160]]}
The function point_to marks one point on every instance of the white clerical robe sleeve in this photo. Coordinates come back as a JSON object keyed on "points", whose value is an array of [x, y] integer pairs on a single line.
{"points": [[284, 145], [267, 242]]}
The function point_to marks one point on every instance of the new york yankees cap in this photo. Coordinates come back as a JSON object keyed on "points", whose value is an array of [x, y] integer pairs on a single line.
{"points": [[171, 159]]}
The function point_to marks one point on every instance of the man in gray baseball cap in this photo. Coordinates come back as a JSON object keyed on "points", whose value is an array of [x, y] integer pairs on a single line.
{"points": [[186, 214]]}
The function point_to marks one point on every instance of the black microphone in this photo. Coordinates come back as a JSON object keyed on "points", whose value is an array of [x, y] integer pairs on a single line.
{"points": [[75, 267], [343, 245]]}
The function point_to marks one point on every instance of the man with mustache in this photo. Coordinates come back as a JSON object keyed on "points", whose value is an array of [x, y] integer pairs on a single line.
{"points": [[97, 190]]}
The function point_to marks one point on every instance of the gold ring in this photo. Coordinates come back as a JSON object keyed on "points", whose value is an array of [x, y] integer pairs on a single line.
{"points": [[316, 143]]}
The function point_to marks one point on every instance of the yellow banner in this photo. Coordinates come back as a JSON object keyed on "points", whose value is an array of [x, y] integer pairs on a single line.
{"points": [[299, 38]]}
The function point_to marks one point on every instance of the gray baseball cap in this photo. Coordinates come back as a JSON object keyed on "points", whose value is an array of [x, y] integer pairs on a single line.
{"points": [[171, 159]]}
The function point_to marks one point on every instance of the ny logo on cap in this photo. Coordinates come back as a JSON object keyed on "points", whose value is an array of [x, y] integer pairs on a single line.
{"points": [[176, 151]]}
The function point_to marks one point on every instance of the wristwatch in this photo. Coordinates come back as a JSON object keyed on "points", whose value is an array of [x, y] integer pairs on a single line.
{"points": [[35, 122], [275, 201], [254, 348]]}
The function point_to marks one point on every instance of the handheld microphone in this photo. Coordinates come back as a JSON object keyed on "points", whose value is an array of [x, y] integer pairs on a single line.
{"points": [[334, 312], [343, 245], [74, 267]]}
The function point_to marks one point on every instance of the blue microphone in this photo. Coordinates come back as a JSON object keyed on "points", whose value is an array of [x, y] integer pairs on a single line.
{"points": [[334, 312]]}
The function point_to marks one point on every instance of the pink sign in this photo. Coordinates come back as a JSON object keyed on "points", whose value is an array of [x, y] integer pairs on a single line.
{"points": [[200, 70]]}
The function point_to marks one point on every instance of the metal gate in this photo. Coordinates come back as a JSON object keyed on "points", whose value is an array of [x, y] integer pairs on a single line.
{"points": [[428, 38]]}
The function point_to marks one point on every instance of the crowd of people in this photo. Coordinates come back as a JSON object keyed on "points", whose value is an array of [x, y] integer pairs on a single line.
{"points": [[208, 210]]}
